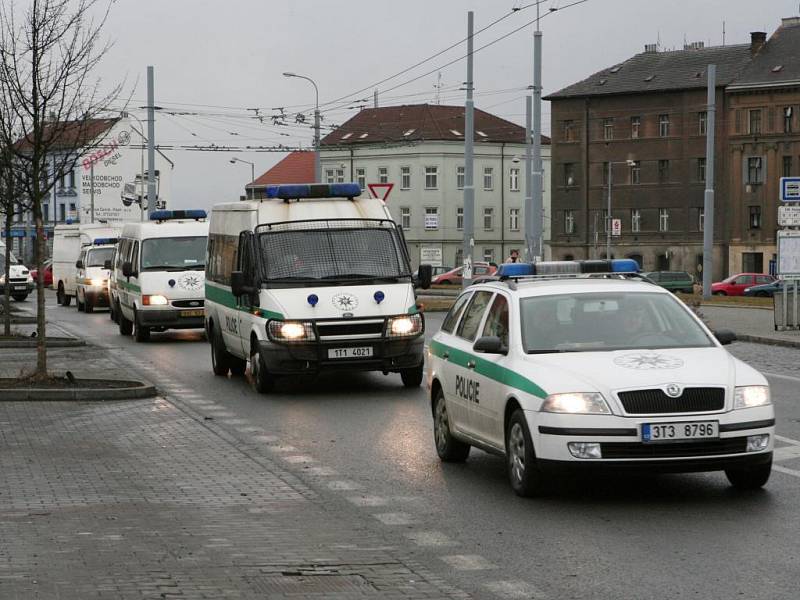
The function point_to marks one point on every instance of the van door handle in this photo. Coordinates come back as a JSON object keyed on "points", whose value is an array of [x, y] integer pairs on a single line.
{"points": [[470, 364], [446, 355]]}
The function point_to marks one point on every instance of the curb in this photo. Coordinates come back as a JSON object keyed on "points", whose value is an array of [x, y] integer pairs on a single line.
{"points": [[137, 390], [713, 305], [49, 342], [759, 339]]}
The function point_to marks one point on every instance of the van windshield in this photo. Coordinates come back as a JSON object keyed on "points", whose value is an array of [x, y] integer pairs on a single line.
{"points": [[174, 254], [99, 256], [333, 250], [3, 257]]}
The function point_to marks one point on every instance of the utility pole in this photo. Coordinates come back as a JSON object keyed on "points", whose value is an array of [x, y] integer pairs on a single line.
{"points": [[537, 201], [469, 157], [530, 243], [91, 192], [375, 98], [151, 147], [608, 213], [708, 208]]}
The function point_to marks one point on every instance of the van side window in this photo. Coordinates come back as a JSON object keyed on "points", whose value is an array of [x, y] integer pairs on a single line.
{"points": [[135, 257]]}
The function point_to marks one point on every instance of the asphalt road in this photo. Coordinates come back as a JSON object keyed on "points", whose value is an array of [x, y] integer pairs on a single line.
{"points": [[673, 536]]}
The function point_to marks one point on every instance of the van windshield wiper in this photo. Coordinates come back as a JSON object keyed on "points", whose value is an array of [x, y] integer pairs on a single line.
{"points": [[169, 268]]}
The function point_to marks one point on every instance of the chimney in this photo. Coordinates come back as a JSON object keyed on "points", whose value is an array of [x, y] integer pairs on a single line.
{"points": [[790, 21], [757, 41], [650, 48]]}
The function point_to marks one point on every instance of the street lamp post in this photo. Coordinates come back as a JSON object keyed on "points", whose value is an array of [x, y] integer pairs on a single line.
{"points": [[630, 163], [234, 160], [317, 166], [140, 190]]}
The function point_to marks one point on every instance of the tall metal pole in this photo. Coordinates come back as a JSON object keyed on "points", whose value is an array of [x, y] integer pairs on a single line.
{"points": [[530, 243], [469, 157], [317, 165], [151, 147], [91, 192], [537, 199], [708, 209], [608, 214]]}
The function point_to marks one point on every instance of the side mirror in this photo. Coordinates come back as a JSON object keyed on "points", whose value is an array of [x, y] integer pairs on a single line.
{"points": [[490, 344], [127, 269], [107, 264], [78, 264], [725, 336], [424, 276], [20, 262]]}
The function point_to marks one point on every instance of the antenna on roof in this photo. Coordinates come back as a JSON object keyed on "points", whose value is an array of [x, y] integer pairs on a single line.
{"points": [[438, 86], [723, 33], [375, 98]]}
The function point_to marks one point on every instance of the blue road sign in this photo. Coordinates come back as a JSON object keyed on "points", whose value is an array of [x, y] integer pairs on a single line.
{"points": [[790, 189]]}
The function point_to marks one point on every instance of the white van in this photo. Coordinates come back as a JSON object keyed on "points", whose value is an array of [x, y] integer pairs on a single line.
{"points": [[313, 278], [93, 271], [19, 281], [159, 273], [68, 239]]}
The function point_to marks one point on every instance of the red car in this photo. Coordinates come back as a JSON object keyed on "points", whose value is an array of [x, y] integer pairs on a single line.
{"points": [[48, 273], [454, 277], [735, 285]]}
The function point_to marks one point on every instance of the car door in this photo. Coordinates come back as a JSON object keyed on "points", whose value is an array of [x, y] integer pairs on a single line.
{"points": [[245, 258], [741, 283], [464, 380], [442, 345]]}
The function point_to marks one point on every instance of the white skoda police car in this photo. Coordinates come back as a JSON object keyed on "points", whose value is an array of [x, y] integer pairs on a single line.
{"points": [[580, 365]]}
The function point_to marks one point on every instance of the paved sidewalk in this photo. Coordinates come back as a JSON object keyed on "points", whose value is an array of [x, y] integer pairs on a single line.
{"points": [[143, 499]]}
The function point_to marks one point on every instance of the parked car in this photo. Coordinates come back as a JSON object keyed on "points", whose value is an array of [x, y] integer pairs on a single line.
{"points": [[48, 273], [435, 271], [453, 276], [765, 290], [674, 281], [735, 285]]}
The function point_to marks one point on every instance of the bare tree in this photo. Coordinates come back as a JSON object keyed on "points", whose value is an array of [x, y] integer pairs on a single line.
{"points": [[48, 52], [12, 203]]}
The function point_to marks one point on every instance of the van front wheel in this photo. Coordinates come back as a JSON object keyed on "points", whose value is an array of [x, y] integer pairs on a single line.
{"points": [[412, 377], [263, 382], [140, 333]]}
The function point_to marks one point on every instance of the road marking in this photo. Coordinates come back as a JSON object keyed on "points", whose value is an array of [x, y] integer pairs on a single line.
{"points": [[779, 376], [468, 562], [267, 439], [368, 500], [321, 471], [513, 589], [394, 518], [781, 469], [786, 453], [787, 440], [298, 458], [343, 485], [430, 538]]}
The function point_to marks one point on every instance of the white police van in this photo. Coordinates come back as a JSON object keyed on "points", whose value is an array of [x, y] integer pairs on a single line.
{"points": [[93, 271], [558, 365], [312, 278], [20, 283], [159, 273]]}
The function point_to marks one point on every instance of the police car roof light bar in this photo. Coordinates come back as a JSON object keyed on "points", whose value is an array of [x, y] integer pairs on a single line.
{"points": [[298, 191], [104, 241], [169, 215], [567, 267]]}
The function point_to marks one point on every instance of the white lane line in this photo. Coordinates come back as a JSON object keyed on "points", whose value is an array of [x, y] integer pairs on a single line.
{"points": [[321, 471], [779, 376], [430, 538], [514, 589], [343, 485], [786, 453], [394, 518], [468, 562], [298, 458], [368, 500], [787, 440], [781, 469]]}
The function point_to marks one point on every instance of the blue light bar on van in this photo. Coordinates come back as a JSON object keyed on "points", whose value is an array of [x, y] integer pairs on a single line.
{"points": [[169, 215], [565, 267], [296, 191], [104, 241]]}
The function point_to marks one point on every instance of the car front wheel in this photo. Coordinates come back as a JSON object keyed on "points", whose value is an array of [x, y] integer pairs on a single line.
{"points": [[523, 473]]}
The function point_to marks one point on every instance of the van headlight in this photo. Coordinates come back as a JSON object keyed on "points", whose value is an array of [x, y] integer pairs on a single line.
{"points": [[576, 403], [404, 326], [155, 300], [290, 331], [102, 283], [750, 396]]}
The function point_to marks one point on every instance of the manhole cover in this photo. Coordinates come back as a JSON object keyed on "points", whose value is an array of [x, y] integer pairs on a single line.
{"points": [[312, 584]]}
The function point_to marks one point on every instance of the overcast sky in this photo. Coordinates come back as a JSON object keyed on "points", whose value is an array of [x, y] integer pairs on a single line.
{"points": [[216, 60]]}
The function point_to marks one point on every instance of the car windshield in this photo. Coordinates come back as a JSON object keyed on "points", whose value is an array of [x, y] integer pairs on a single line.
{"points": [[176, 254], [607, 321], [334, 250], [3, 258], [99, 256]]}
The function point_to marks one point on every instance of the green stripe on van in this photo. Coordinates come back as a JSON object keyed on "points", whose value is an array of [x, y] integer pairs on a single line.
{"points": [[488, 369], [129, 286], [223, 296]]}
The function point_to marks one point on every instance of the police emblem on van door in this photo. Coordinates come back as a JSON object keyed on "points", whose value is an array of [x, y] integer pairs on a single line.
{"points": [[190, 282], [345, 301], [645, 361]]}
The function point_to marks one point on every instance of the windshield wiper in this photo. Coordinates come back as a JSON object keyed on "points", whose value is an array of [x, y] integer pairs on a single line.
{"points": [[164, 268]]}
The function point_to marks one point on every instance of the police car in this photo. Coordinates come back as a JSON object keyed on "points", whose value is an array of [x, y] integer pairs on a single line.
{"points": [[581, 365]]}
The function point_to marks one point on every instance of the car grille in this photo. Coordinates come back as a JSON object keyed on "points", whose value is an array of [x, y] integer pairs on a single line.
{"points": [[187, 303], [673, 449], [17, 279], [335, 329], [655, 401]]}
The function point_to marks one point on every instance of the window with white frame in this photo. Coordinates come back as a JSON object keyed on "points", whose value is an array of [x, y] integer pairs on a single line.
{"points": [[488, 255], [340, 175], [663, 125], [755, 173], [488, 178], [636, 220], [405, 178], [431, 218], [488, 218], [431, 178], [460, 218], [513, 180], [701, 219], [663, 219], [636, 124], [513, 219], [569, 221], [702, 119], [361, 178], [383, 175], [755, 121], [608, 128], [701, 169], [405, 217], [330, 177], [636, 172], [71, 180], [460, 178]]}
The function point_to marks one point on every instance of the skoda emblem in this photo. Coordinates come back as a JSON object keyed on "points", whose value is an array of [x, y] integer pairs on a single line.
{"points": [[673, 390], [345, 301]]}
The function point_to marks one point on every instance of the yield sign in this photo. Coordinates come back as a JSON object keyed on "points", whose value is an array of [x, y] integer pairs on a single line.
{"points": [[380, 190]]}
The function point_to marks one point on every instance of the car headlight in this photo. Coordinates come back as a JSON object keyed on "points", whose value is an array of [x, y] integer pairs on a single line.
{"points": [[290, 331], [2, 278], [750, 396], [404, 326], [746, 290], [102, 282], [155, 300], [576, 403]]}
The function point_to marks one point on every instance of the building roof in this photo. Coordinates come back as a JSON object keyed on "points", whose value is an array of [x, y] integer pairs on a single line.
{"points": [[296, 167], [422, 122], [777, 63], [662, 71], [72, 134]]}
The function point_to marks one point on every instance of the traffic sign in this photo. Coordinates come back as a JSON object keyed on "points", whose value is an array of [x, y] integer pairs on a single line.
{"points": [[789, 215], [616, 227], [380, 190], [790, 189], [788, 253]]}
